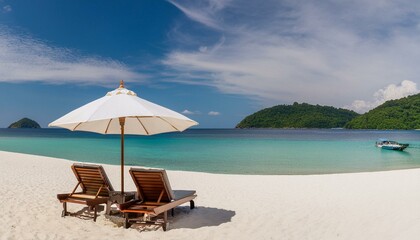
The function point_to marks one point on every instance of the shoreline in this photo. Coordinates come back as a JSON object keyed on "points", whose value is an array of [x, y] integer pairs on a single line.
{"points": [[226, 173], [219, 173], [367, 205]]}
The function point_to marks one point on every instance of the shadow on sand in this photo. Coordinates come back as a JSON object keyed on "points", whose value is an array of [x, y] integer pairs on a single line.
{"points": [[183, 217], [86, 213], [200, 217], [192, 219]]}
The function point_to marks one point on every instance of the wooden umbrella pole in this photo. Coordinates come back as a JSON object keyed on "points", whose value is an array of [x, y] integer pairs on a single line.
{"points": [[122, 123]]}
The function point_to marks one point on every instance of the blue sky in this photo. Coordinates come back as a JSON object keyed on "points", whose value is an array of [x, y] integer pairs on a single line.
{"points": [[215, 60]]}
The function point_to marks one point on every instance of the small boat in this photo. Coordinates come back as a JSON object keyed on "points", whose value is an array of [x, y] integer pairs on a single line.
{"points": [[391, 145]]}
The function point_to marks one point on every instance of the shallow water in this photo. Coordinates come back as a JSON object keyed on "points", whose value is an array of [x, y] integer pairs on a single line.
{"points": [[234, 151]]}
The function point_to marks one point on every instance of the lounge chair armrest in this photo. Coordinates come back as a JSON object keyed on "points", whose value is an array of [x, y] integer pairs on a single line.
{"points": [[168, 206], [126, 205], [63, 196]]}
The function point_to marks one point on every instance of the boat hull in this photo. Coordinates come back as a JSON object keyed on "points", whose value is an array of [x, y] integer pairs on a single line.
{"points": [[391, 145], [398, 148]]}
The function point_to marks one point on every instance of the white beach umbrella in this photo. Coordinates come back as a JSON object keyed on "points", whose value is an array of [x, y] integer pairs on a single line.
{"points": [[122, 112]]}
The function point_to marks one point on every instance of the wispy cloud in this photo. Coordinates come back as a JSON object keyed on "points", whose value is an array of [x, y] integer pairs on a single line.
{"points": [[7, 8], [213, 113], [326, 52], [391, 92], [203, 12], [26, 59]]}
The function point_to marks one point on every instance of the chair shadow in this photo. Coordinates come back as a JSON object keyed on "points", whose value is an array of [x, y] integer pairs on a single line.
{"points": [[196, 218], [85, 213], [199, 217]]}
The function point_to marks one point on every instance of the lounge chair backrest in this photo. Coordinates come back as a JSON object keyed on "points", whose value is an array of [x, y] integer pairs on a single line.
{"points": [[92, 178], [152, 184]]}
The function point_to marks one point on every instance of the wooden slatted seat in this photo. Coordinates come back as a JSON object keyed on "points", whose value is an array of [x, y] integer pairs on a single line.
{"points": [[95, 187], [154, 197]]}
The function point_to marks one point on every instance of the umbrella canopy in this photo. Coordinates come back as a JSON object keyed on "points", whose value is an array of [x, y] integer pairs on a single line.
{"points": [[122, 112], [141, 117]]}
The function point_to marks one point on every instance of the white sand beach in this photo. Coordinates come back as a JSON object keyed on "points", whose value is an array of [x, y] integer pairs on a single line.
{"points": [[376, 205]]}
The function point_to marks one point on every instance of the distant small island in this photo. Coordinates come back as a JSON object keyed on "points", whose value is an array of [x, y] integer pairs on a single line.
{"points": [[25, 123], [302, 115]]}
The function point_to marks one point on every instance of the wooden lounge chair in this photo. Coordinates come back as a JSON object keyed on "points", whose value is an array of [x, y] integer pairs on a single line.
{"points": [[95, 187], [154, 197]]}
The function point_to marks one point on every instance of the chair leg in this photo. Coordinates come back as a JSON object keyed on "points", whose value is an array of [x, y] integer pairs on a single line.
{"points": [[95, 214], [108, 208], [126, 225], [192, 205], [172, 212], [165, 220], [64, 212]]}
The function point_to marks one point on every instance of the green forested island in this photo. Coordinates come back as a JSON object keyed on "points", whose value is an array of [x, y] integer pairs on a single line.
{"points": [[25, 123], [402, 113], [298, 116]]}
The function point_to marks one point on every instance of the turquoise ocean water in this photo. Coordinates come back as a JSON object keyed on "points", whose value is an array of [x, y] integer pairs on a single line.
{"points": [[234, 151]]}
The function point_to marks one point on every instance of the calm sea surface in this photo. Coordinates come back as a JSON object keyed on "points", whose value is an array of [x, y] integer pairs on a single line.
{"points": [[227, 150]]}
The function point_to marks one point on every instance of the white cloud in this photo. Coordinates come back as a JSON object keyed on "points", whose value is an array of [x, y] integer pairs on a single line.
{"points": [[27, 59], [405, 88], [7, 8], [328, 52], [391, 92], [213, 113], [187, 112], [203, 49]]}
